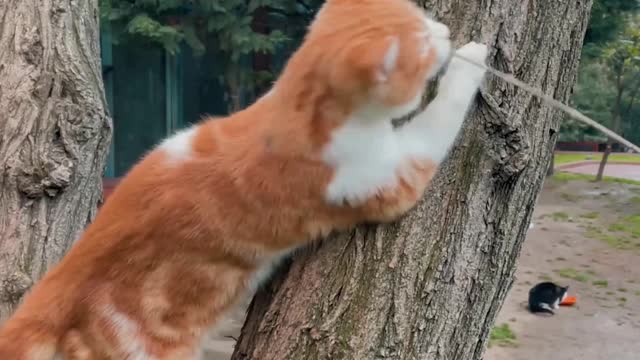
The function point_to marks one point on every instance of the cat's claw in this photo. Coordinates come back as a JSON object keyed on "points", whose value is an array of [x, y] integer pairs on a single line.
{"points": [[462, 74]]}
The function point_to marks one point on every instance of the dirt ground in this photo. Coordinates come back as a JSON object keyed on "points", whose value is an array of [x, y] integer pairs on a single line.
{"points": [[628, 171], [569, 243]]}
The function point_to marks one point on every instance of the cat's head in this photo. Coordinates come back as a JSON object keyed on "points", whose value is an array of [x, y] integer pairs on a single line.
{"points": [[562, 290], [378, 52]]}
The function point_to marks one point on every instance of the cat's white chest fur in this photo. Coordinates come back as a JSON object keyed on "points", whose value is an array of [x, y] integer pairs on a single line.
{"points": [[365, 156]]}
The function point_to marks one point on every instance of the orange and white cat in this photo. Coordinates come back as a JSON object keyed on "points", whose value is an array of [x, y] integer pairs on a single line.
{"points": [[202, 219]]}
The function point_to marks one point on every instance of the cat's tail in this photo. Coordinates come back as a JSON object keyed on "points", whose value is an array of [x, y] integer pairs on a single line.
{"points": [[27, 339]]}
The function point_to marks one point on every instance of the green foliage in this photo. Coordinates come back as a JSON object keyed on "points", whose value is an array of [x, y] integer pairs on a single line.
{"points": [[630, 225], [607, 20], [573, 274], [560, 216], [144, 26], [234, 28], [593, 95], [230, 21], [622, 57], [591, 215], [616, 240], [564, 158], [170, 22], [563, 176], [608, 86], [502, 335], [601, 283]]}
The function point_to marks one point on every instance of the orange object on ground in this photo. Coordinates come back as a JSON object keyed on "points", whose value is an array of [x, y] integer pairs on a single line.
{"points": [[569, 300]]}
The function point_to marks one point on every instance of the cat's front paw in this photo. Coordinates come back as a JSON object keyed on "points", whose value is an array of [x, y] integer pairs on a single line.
{"points": [[461, 73], [341, 193], [474, 51]]}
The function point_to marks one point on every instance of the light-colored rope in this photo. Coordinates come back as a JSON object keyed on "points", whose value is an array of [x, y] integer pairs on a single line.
{"points": [[573, 113]]}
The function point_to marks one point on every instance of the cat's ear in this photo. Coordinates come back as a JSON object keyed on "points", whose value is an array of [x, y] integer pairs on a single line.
{"points": [[389, 59], [376, 59]]}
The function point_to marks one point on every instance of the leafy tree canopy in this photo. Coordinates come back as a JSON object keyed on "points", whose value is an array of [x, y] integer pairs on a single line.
{"points": [[234, 29], [608, 86], [170, 22], [607, 19]]}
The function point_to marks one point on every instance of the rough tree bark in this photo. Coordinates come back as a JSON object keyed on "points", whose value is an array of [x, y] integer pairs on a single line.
{"points": [[551, 168], [430, 286], [54, 135]]}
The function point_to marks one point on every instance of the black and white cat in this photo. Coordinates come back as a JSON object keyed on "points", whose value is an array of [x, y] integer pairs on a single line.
{"points": [[545, 297]]}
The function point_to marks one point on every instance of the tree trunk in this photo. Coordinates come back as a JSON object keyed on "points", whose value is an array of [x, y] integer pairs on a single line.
{"points": [[234, 88], [430, 286], [552, 164], [617, 117], [603, 162], [54, 135]]}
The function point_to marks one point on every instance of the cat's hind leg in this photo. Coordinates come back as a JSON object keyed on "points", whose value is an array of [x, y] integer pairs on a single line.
{"points": [[543, 308]]}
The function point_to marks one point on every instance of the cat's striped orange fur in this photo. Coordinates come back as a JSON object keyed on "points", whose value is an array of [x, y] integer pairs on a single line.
{"points": [[202, 218]]}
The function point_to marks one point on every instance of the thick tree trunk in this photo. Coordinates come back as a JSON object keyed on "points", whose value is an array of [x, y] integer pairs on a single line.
{"points": [[54, 135], [234, 88], [430, 286], [551, 168]]}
